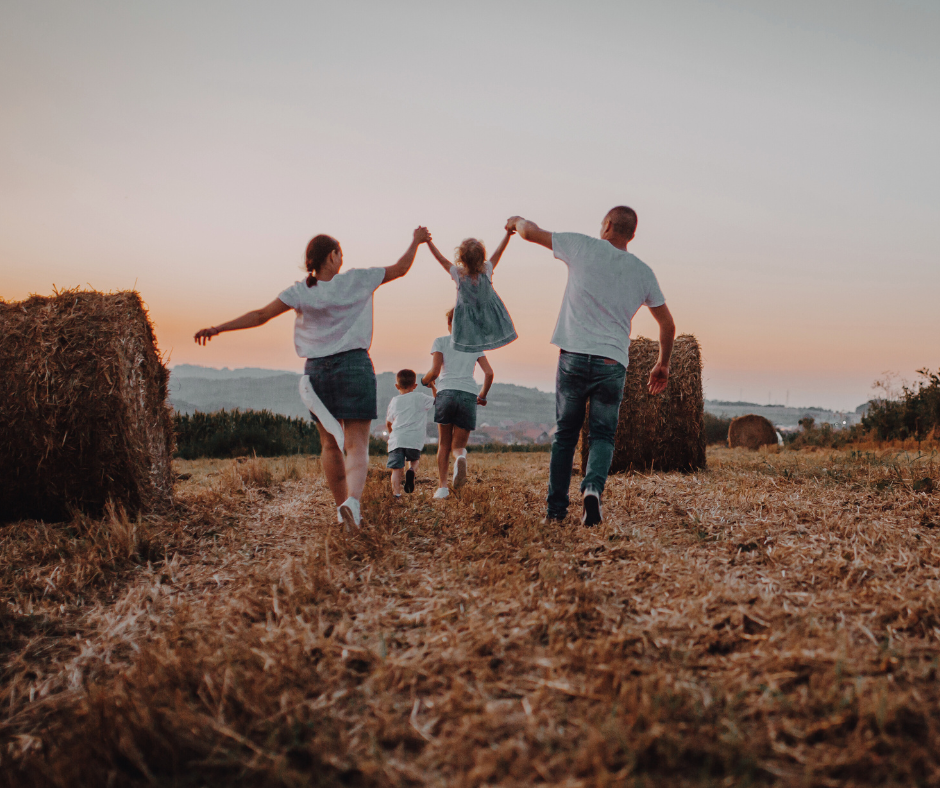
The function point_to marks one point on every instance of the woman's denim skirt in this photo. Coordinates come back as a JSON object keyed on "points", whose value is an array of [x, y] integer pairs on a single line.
{"points": [[345, 382]]}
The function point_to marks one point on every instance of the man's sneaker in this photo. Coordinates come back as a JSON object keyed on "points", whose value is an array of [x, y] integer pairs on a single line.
{"points": [[349, 510], [460, 471], [442, 492], [549, 520], [409, 481], [591, 513]]}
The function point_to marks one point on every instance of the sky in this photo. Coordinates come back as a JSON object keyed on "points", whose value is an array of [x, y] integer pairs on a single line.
{"points": [[782, 159]]}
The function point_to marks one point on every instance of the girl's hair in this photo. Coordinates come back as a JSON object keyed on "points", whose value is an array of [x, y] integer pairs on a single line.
{"points": [[450, 315], [319, 248], [471, 254]]}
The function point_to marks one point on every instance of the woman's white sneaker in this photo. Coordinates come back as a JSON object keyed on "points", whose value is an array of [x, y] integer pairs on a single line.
{"points": [[442, 492], [460, 471], [349, 511]]}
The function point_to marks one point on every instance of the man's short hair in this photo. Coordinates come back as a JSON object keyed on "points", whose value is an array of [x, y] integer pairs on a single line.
{"points": [[406, 378], [622, 220]]}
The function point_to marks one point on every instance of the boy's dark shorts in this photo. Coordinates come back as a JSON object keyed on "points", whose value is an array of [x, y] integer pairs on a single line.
{"points": [[456, 407], [397, 457]]}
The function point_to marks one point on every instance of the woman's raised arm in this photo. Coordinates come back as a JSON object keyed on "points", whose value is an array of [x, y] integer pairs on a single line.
{"points": [[399, 269], [256, 317]]}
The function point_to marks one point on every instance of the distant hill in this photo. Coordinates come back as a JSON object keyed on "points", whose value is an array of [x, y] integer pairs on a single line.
{"points": [[210, 373], [780, 415], [204, 389]]}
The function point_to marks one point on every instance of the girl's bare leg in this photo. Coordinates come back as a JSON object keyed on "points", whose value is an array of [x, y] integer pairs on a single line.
{"points": [[334, 465], [445, 434], [461, 438], [396, 481], [356, 432]]}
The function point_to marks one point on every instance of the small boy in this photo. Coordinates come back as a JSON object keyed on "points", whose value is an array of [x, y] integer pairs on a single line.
{"points": [[406, 420]]}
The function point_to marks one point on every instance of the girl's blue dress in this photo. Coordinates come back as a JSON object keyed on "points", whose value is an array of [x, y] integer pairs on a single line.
{"points": [[481, 320]]}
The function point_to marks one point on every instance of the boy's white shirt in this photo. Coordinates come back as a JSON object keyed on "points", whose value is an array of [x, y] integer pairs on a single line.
{"points": [[606, 286], [457, 372], [408, 414]]}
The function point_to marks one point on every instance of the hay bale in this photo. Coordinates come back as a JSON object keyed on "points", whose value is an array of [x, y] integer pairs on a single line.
{"points": [[751, 432], [665, 432], [83, 413]]}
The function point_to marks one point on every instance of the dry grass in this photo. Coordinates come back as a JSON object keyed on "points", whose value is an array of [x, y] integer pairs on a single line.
{"points": [[774, 620]]}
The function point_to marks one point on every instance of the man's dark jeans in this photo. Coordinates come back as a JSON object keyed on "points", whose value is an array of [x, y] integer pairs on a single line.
{"points": [[581, 379]]}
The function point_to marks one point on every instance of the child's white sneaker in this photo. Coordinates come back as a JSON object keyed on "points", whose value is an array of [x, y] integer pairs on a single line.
{"points": [[460, 471], [442, 492], [349, 511]]}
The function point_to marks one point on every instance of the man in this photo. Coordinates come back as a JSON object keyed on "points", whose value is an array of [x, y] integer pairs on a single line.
{"points": [[606, 287]]}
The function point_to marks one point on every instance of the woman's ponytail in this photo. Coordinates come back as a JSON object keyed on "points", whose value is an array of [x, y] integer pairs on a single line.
{"points": [[319, 248]]}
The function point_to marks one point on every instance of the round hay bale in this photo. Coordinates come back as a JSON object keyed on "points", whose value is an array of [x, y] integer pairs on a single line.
{"points": [[751, 432], [83, 413], [665, 432]]}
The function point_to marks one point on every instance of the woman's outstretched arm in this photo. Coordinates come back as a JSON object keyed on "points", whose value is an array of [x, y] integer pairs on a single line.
{"points": [[501, 248], [399, 269], [256, 317], [445, 263]]}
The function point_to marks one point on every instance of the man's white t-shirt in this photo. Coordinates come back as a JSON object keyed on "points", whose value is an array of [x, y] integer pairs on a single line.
{"points": [[457, 372], [334, 316], [408, 414], [606, 286]]}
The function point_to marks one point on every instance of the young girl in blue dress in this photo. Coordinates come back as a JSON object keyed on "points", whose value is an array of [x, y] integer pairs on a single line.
{"points": [[481, 320]]}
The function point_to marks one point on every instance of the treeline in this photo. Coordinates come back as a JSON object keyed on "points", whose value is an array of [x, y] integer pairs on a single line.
{"points": [[240, 433], [915, 415]]}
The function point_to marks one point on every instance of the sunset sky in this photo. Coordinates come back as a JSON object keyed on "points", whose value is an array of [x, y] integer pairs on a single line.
{"points": [[782, 158]]}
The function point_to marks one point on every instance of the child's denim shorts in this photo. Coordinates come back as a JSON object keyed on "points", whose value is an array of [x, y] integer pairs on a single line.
{"points": [[397, 457], [345, 382], [456, 407]]}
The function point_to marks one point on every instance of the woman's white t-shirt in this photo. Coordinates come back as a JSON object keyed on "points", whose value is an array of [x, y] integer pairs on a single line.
{"points": [[334, 316], [457, 372]]}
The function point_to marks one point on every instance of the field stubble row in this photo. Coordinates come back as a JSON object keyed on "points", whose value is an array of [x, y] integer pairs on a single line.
{"points": [[772, 620]]}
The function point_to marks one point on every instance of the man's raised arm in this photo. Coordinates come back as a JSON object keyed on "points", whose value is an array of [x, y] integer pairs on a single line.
{"points": [[529, 231]]}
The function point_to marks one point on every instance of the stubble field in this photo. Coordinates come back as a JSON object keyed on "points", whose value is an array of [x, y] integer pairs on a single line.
{"points": [[773, 620]]}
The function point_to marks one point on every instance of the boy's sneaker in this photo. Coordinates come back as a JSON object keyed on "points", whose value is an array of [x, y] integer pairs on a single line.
{"points": [[442, 492], [460, 471], [409, 481], [349, 511], [591, 512]]}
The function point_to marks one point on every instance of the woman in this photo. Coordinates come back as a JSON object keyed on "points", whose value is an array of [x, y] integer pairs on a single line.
{"points": [[333, 331]]}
